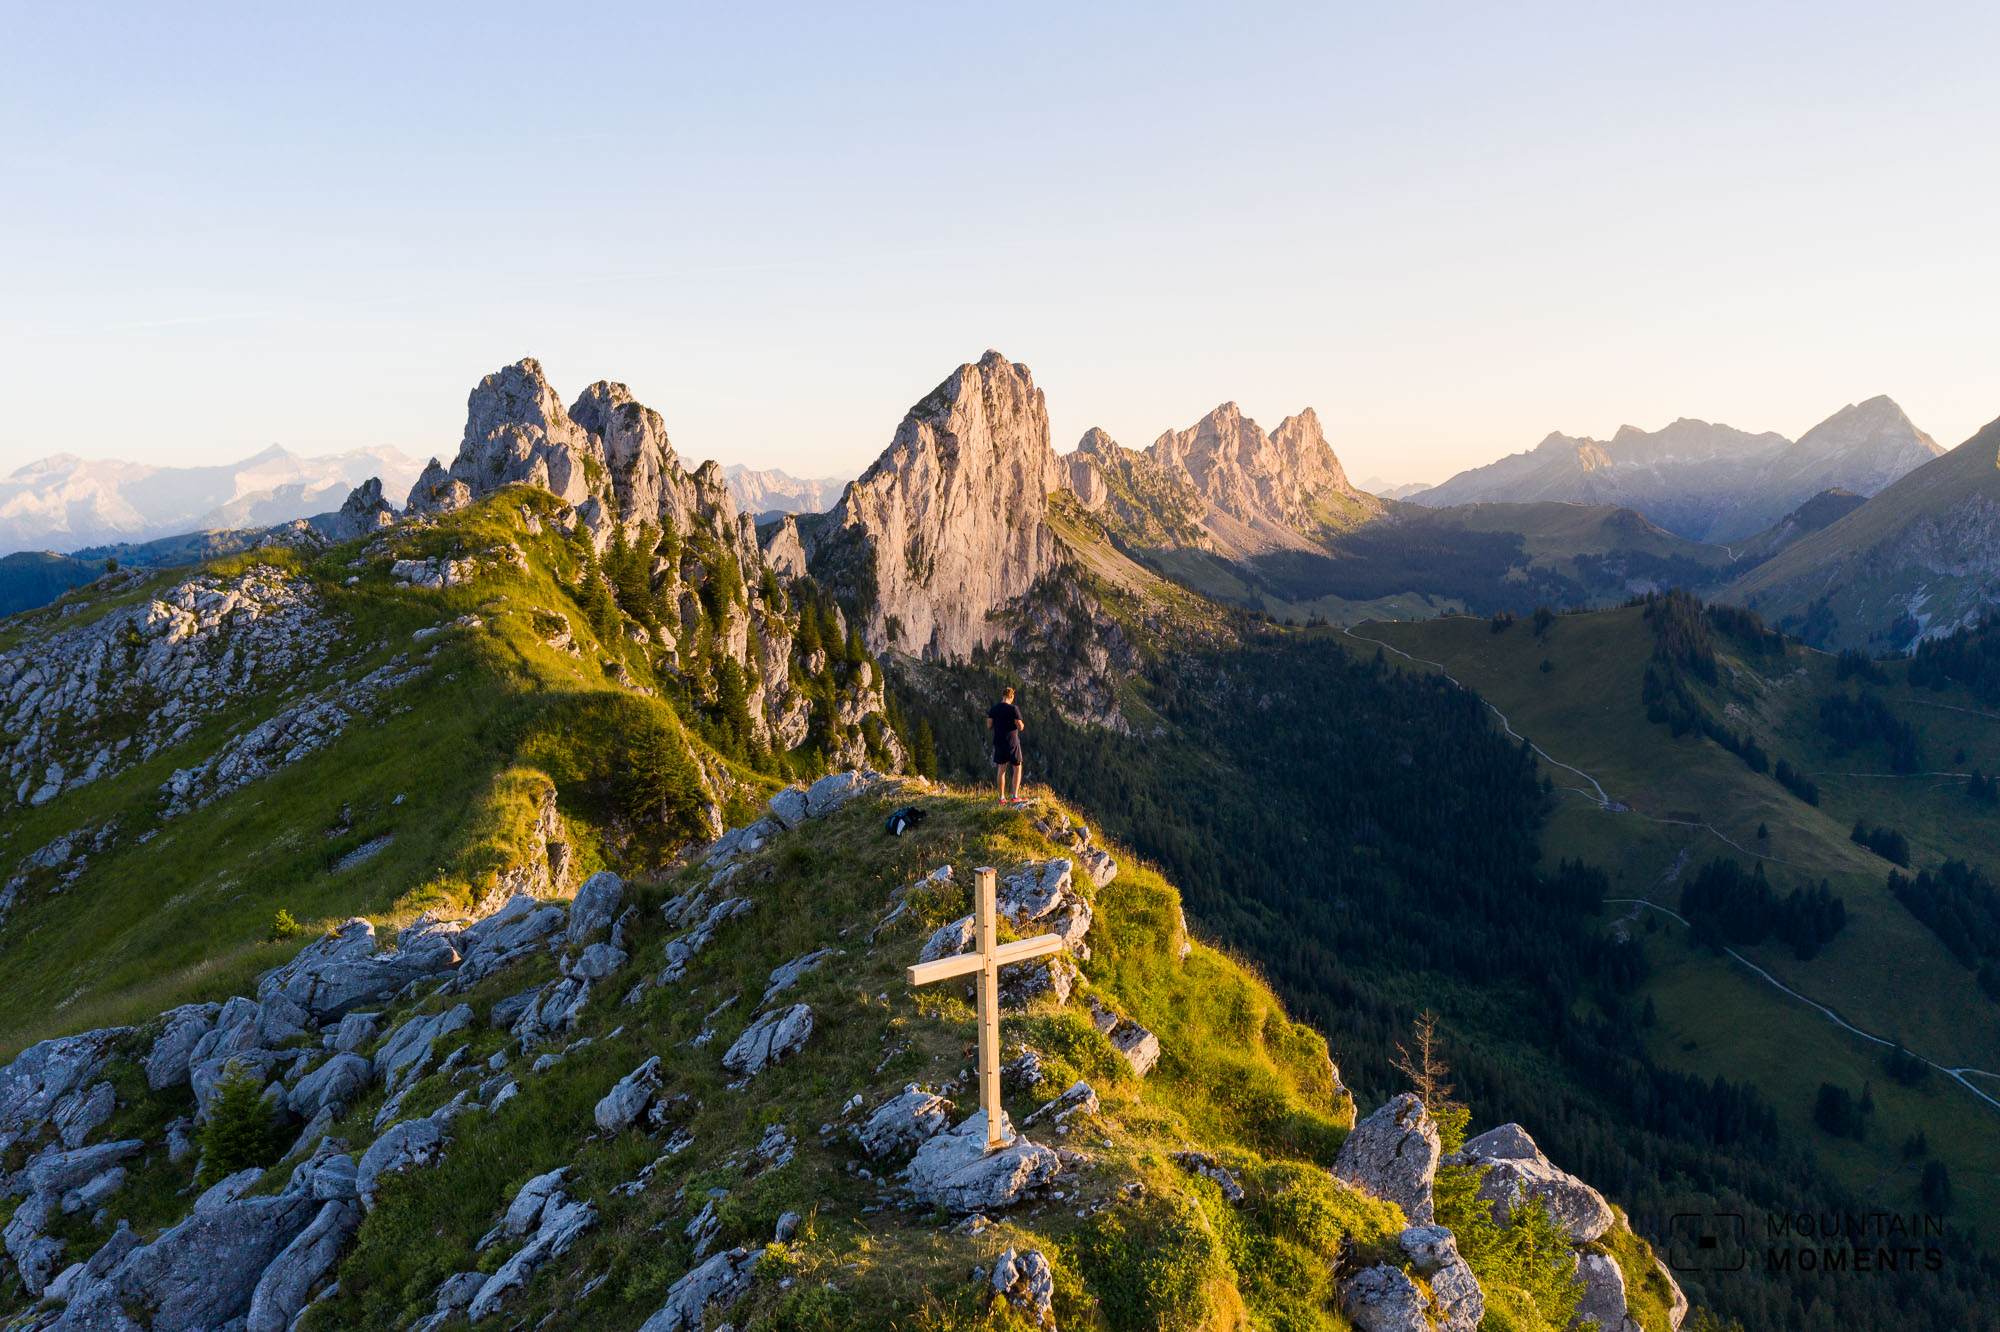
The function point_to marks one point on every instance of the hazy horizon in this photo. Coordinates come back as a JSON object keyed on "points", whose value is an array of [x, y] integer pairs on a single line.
{"points": [[1449, 231]]}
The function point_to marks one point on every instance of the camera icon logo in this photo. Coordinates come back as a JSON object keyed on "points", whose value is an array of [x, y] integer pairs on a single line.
{"points": [[1707, 1242]]}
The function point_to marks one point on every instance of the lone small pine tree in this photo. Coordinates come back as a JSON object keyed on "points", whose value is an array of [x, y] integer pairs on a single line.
{"points": [[239, 1128]]}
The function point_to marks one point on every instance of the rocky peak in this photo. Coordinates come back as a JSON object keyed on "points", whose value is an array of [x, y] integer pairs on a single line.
{"points": [[1877, 426], [1253, 477], [516, 431], [634, 446], [950, 522]]}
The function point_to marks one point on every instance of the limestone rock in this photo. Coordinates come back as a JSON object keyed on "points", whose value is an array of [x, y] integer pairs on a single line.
{"points": [[364, 513], [333, 1086], [1677, 1309], [903, 1123], [951, 520], [410, 1145], [1384, 1299], [44, 1073], [959, 936], [200, 1274], [407, 1049], [598, 961], [788, 807], [1028, 1282], [1393, 1155], [787, 975], [524, 1214], [341, 972], [304, 1264], [1603, 1304], [596, 905], [1140, 1047], [955, 1171], [1457, 1302], [167, 1063], [832, 791], [784, 553], [560, 1224], [83, 1112], [1517, 1171], [720, 1280], [769, 1040], [624, 1103]]}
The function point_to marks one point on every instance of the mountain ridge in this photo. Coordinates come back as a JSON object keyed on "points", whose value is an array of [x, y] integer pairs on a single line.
{"points": [[1703, 480]]}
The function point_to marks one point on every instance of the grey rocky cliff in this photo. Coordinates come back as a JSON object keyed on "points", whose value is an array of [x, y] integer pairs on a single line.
{"points": [[950, 523], [1269, 483]]}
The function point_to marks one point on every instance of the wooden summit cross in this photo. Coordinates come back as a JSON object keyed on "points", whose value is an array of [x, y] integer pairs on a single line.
{"points": [[987, 959]]}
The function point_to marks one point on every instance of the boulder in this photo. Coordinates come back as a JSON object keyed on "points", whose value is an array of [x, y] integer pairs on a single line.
{"points": [[1457, 1302], [515, 930], [524, 1214], [960, 936], [1393, 1154], [334, 975], [1603, 1304], [78, 1280], [356, 1030], [83, 1112], [1384, 1299], [832, 791], [955, 1171], [304, 1264], [334, 1086], [902, 1123], [788, 807], [624, 1103], [412, 1043], [1033, 891], [596, 905], [167, 1063], [201, 1274], [1677, 1310], [720, 1280], [561, 1223], [786, 976], [52, 1174], [1028, 1282], [37, 1256], [769, 1040], [44, 1073], [1516, 1171], [328, 1174], [1140, 1047], [598, 961], [410, 1145], [1098, 865]]}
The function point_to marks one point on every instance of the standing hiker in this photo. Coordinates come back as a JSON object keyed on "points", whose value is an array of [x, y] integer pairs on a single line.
{"points": [[1004, 720]]}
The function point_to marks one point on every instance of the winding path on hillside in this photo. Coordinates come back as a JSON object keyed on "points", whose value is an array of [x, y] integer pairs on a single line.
{"points": [[1602, 799], [1956, 1074]]}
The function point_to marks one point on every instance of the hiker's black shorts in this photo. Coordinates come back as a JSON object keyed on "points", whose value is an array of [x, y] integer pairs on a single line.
{"points": [[1007, 750]]}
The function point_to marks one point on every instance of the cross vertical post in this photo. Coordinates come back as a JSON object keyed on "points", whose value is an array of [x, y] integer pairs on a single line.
{"points": [[986, 959], [989, 1009]]}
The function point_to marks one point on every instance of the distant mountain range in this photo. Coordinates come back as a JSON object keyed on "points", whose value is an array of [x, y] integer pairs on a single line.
{"points": [[65, 502], [770, 492], [1920, 559], [1704, 481]]}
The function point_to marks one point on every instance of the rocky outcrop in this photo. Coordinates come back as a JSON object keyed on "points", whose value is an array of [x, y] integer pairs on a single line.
{"points": [[1028, 1282], [718, 1281], [903, 1123], [1287, 481], [949, 523], [769, 1040], [954, 1170], [1457, 1302], [1384, 1299], [364, 513], [1393, 1155], [1515, 1171]]}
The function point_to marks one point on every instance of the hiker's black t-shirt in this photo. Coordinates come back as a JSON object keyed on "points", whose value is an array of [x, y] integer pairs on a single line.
{"points": [[1006, 719]]}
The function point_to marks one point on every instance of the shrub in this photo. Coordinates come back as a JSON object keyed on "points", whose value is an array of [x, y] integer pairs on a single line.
{"points": [[1156, 1268], [283, 927], [1531, 1252], [241, 1126]]}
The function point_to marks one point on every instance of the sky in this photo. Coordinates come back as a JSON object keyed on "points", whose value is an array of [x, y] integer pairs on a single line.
{"points": [[1450, 228]]}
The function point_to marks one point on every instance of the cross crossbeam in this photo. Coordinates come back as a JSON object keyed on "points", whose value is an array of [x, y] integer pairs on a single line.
{"points": [[985, 961]]}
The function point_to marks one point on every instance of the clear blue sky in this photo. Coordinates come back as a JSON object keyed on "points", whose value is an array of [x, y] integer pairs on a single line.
{"points": [[1450, 228]]}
